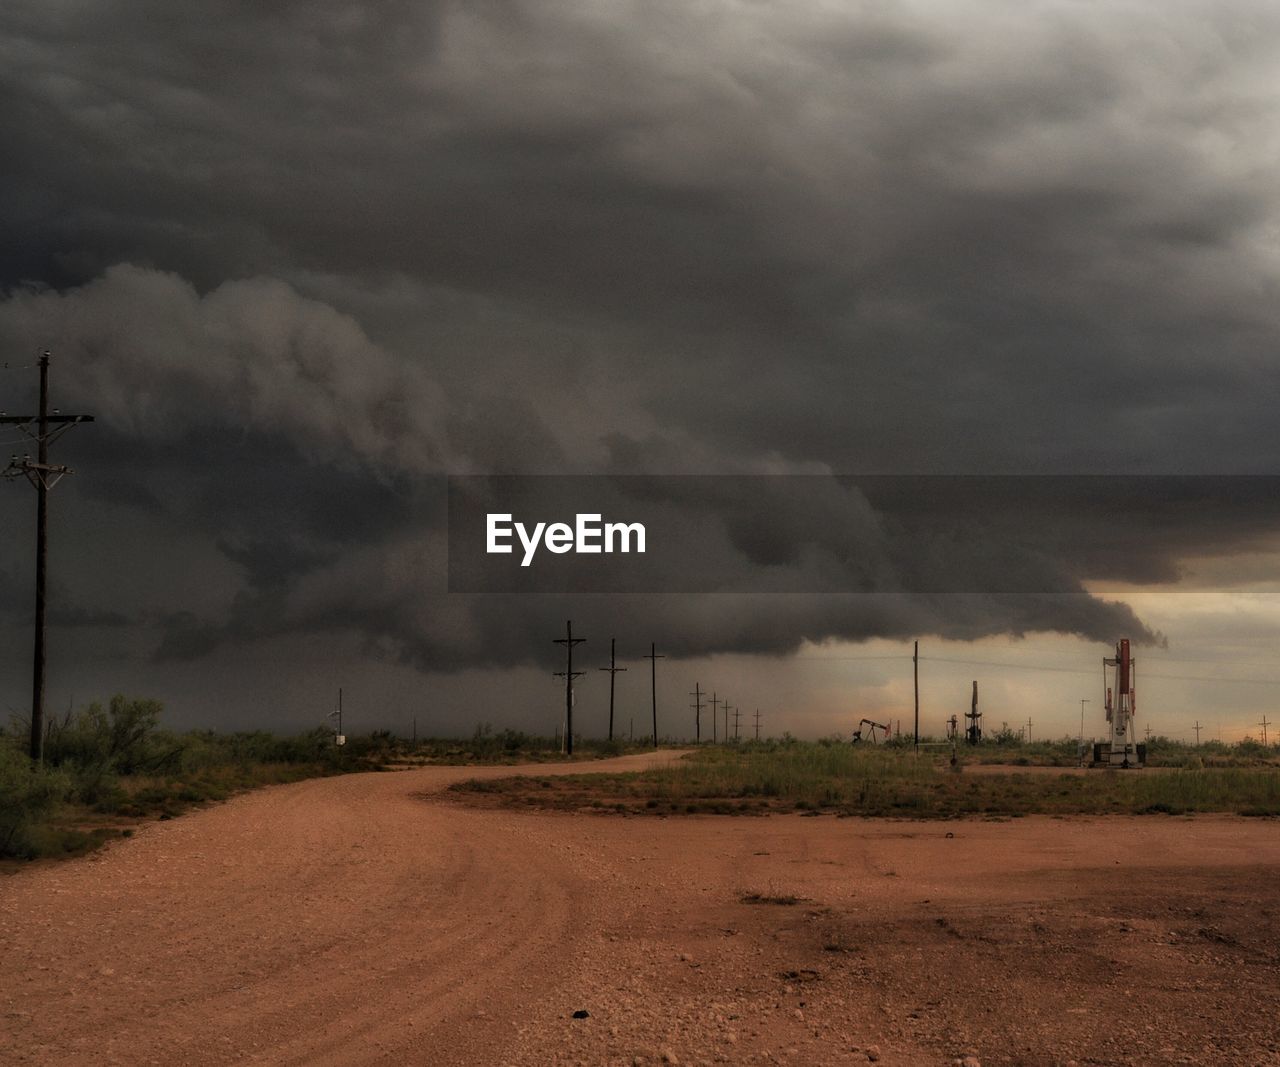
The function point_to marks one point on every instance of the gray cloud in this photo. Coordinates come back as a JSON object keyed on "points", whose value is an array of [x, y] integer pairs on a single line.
{"points": [[302, 259]]}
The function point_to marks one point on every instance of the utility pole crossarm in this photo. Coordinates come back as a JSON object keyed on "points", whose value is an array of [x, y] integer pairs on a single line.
{"points": [[22, 420], [37, 429]]}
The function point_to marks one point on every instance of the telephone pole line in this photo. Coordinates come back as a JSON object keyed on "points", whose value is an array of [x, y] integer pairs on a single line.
{"points": [[697, 706], [1197, 728], [569, 674], [724, 705], [43, 476], [1264, 724], [1028, 729], [653, 658], [737, 718], [757, 724], [715, 703], [613, 670]]}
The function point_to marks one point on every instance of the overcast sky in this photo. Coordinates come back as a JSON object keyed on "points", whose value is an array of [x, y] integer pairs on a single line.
{"points": [[302, 260]]}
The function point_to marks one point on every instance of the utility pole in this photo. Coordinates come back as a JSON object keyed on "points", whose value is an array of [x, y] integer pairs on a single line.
{"points": [[43, 476], [1264, 724], [1148, 731], [737, 718], [724, 705], [697, 706], [1197, 728], [613, 670], [653, 658], [915, 673], [1083, 702], [569, 674], [1028, 729], [757, 724], [715, 703], [339, 738]]}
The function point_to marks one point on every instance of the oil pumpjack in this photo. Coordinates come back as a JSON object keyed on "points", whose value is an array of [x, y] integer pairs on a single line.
{"points": [[1122, 749]]}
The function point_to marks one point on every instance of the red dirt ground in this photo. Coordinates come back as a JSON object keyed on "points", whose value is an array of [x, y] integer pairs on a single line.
{"points": [[352, 921]]}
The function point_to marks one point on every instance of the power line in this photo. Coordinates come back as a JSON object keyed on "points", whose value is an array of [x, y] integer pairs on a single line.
{"points": [[1073, 670]]}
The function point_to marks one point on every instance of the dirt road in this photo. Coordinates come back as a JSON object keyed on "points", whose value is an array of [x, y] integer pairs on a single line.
{"points": [[354, 921]]}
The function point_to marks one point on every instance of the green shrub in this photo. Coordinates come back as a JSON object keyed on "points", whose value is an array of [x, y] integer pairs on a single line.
{"points": [[28, 795]]}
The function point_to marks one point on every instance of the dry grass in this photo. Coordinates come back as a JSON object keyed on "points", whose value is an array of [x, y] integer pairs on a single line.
{"points": [[849, 780]]}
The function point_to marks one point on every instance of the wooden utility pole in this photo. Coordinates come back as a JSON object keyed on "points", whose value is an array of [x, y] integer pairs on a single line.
{"points": [[1197, 728], [1264, 724], [737, 718], [43, 476], [653, 658], [1028, 729], [569, 674], [915, 673], [697, 706], [336, 715], [724, 705], [1083, 702], [613, 670], [757, 724], [715, 703]]}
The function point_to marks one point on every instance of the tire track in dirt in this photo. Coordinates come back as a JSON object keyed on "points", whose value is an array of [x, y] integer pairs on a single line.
{"points": [[350, 921], [336, 921]]}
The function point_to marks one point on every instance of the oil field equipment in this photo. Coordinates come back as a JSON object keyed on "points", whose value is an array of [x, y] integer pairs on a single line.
{"points": [[973, 719], [1122, 749], [871, 727], [953, 728]]}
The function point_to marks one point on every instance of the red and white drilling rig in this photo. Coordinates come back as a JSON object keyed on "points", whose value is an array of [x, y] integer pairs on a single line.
{"points": [[1122, 750]]}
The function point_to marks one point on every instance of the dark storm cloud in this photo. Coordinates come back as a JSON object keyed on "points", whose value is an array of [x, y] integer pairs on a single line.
{"points": [[17, 598], [327, 252]]}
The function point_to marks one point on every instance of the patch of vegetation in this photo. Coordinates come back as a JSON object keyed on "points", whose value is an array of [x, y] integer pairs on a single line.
{"points": [[1004, 746], [487, 746], [827, 777], [107, 767]]}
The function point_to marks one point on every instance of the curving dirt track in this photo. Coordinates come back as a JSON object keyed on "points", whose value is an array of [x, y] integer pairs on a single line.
{"points": [[354, 921]]}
